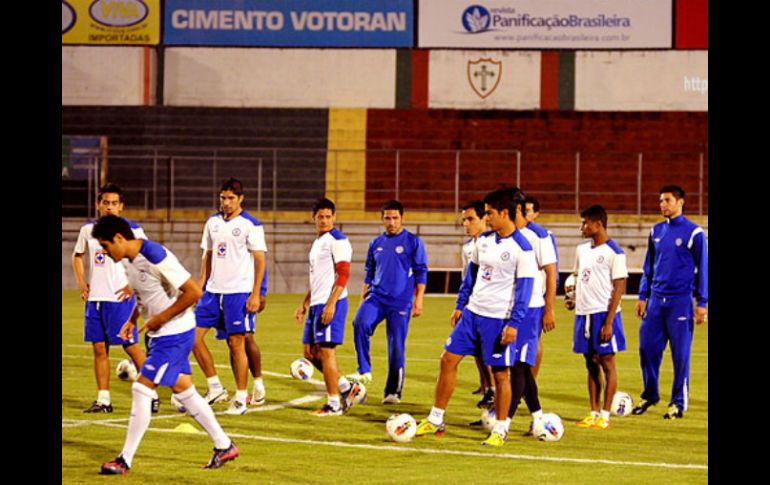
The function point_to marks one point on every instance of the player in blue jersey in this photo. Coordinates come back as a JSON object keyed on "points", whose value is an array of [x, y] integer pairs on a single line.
{"points": [[491, 307], [396, 272], [109, 299], [600, 266], [232, 275], [675, 266], [327, 303], [165, 293]]}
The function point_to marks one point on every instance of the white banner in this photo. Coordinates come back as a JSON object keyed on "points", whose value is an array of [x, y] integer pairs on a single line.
{"points": [[545, 24]]}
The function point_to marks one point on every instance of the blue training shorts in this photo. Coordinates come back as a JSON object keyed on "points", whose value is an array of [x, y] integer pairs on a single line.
{"points": [[225, 312], [168, 357], [474, 332], [585, 339], [103, 320], [316, 332], [528, 336]]}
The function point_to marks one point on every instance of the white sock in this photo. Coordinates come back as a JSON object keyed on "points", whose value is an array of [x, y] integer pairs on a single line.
{"points": [[155, 394], [241, 395], [259, 387], [436, 416], [537, 415], [501, 426], [595, 414], [202, 413], [333, 401], [139, 421], [605, 415], [103, 397], [343, 384], [214, 384]]}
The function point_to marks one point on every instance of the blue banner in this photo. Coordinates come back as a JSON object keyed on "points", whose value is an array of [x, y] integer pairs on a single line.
{"points": [[289, 23]]}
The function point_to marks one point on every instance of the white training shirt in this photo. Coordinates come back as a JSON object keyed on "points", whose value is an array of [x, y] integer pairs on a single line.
{"points": [[466, 254], [106, 276], [156, 275], [501, 261], [542, 246], [328, 249], [596, 269], [231, 243]]}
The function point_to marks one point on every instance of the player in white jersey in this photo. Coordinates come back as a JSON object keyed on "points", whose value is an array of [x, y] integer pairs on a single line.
{"points": [[492, 302], [165, 293], [327, 302], [109, 300], [474, 220], [600, 265], [232, 272]]}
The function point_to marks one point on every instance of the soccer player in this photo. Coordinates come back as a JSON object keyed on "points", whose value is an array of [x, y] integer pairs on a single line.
{"points": [[474, 220], [232, 272], [600, 265], [327, 300], [492, 302], [165, 292], [549, 321], [109, 299], [396, 271], [540, 314], [676, 264]]}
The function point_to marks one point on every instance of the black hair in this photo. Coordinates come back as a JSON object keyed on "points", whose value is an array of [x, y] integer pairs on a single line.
{"points": [[535, 203], [595, 213], [324, 203], [106, 228], [501, 199], [477, 206], [392, 205], [110, 188], [232, 184], [675, 190]]}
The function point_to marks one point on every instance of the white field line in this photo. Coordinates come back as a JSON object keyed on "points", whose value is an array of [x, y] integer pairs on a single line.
{"points": [[431, 451]]}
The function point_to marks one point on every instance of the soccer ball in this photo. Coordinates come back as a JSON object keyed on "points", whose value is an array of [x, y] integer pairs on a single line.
{"points": [[178, 404], [401, 427], [360, 398], [488, 419], [621, 404], [569, 286], [301, 369], [548, 428], [126, 371]]}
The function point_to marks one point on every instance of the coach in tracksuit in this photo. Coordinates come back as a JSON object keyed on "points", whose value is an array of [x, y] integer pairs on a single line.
{"points": [[676, 264]]}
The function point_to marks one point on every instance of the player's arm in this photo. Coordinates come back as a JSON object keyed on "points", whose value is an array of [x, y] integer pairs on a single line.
{"points": [[618, 290], [80, 275], [420, 271], [127, 330], [369, 270], [255, 300], [466, 287], [189, 293], [646, 281], [526, 268], [205, 268], [700, 253], [549, 313], [300, 312], [342, 254]]}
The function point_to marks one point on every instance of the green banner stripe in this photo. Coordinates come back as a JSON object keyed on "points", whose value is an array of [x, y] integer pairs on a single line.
{"points": [[567, 80], [403, 78]]}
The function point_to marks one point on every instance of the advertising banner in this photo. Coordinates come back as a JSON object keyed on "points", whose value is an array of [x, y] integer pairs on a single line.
{"points": [[289, 23], [113, 22], [535, 24]]}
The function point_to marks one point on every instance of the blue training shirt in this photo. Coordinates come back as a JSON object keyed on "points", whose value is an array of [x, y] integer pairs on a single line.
{"points": [[394, 265], [675, 250]]}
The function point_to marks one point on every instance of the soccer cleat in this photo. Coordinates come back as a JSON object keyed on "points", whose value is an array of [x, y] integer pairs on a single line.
{"points": [[487, 401], [391, 399], [530, 431], [236, 407], [587, 422], [674, 412], [600, 423], [216, 396], [476, 423], [426, 427], [347, 399], [494, 439], [327, 410], [258, 398], [478, 391], [365, 378], [223, 456], [98, 407], [155, 406], [118, 466], [642, 406]]}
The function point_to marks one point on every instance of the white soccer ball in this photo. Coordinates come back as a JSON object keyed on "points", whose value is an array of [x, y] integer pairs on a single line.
{"points": [[178, 404], [569, 286], [360, 398], [301, 369], [548, 428], [488, 419], [126, 371], [622, 404], [401, 427]]}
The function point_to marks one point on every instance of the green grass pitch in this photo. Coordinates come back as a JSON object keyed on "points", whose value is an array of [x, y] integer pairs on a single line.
{"points": [[283, 443]]}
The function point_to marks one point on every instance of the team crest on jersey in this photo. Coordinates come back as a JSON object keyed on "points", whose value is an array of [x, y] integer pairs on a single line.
{"points": [[142, 276], [399, 249], [585, 274], [600, 259], [678, 241], [215, 228], [505, 256], [486, 273], [222, 249], [100, 258], [237, 231]]}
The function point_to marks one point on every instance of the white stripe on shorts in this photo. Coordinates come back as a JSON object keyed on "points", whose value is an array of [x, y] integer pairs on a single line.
{"points": [[614, 345], [508, 356], [523, 356], [160, 373], [328, 333]]}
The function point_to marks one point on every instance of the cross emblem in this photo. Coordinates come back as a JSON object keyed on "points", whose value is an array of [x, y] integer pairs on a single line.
{"points": [[484, 76]]}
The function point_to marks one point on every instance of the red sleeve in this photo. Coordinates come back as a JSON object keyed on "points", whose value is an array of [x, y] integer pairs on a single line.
{"points": [[343, 273]]}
